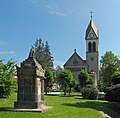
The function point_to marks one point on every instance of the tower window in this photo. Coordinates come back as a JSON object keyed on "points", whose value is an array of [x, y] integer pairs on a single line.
{"points": [[89, 47], [92, 58], [94, 46]]}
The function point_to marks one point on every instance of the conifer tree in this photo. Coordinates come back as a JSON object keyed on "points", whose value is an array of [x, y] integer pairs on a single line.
{"points": [[43, 54], [48, 56]]}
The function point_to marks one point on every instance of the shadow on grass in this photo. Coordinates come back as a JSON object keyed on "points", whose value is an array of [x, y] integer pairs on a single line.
{"points": [[61, 95], [66, 95], [51, 95], [5, 108], [99, 106]]}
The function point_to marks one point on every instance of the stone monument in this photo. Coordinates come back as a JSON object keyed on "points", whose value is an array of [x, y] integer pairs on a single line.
{"points": [[30, 84]]}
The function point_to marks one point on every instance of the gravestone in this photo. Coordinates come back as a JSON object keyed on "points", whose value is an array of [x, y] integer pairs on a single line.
{"points": [[30, 84]]}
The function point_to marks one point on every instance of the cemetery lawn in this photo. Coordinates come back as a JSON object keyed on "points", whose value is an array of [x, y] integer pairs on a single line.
{"points": [[63, 107]]}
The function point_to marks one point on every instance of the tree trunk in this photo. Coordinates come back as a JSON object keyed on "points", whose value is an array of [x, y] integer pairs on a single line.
{"points": [[69, 90], [65, 90]]}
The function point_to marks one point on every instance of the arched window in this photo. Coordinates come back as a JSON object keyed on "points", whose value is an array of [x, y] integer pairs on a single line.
{"points": [[94, 46], [89, 47]]}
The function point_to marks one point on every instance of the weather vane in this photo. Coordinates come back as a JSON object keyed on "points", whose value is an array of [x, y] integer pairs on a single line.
{"points": [[91, 14]]}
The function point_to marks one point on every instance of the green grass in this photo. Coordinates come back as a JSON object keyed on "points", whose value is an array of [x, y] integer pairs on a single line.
{"points": [[63, 107]]}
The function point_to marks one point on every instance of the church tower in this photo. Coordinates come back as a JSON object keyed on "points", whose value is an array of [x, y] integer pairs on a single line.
{"points": [[92, 53]]}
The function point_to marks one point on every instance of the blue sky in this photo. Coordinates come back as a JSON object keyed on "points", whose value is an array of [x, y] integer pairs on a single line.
{"points": [[61, 22]]}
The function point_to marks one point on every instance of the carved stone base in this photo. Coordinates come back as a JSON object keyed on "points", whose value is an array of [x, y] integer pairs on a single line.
{"points": [[29, 104]]}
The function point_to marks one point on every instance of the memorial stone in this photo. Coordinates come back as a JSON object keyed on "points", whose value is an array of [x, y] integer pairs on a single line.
{"points": [[30, 84]]}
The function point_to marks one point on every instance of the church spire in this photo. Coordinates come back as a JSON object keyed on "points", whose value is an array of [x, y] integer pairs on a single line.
{"points": [[91, 26]]}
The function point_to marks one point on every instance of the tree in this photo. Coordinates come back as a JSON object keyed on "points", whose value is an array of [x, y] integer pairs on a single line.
{"points": [[43, 54], [48, 80], [39, 55], [83, 78], [7, 77], [91, 80], [109, 64], [48, 59], [116, 78], [72, 84], [65, 77], [101, 85]]}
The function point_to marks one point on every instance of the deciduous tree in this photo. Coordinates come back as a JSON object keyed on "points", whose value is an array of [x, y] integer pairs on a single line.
{"points": [[7, 77], [48, 80], [116, 78], [72, 84], [109, 64], [65, 77], [85, 79]]}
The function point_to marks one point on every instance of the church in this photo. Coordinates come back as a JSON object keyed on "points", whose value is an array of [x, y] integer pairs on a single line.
{"points": [[91, 65]]}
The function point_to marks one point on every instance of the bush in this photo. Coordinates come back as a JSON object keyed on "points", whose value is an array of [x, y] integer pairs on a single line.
{"points": [[90, 92], [113, 93], [101, 85], [116, 78]]}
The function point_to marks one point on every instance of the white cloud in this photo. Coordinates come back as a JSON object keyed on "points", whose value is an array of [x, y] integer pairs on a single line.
{"points": [[51, 7], [58, 63], [34, 1], [7, 52]]}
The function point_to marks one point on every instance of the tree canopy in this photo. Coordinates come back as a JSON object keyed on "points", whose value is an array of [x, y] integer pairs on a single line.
{"points": [[65, 79], [48, 80], [7, 77], [116, 78], [109, 64], [84, 78]]}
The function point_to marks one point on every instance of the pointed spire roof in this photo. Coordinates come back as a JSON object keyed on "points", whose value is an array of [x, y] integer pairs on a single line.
{"points": [[93, 27]]}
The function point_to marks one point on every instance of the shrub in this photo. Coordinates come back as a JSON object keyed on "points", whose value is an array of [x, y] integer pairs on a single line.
{"points": [[113, 93], [116, 78], [101, 85], [90, 92]]}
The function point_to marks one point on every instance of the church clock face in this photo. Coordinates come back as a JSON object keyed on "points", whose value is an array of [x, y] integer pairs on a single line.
{"points": [[91, 35]]}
